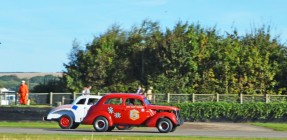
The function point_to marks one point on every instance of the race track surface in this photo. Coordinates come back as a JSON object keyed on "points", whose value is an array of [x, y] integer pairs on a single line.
{"points": [[188, 129]]}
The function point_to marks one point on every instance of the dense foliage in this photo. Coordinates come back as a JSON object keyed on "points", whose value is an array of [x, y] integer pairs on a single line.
{"points": [[222, 111], [185, 59]]}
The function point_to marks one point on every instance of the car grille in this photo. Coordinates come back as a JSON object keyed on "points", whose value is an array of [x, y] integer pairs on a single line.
{"points": [[178, 117]]}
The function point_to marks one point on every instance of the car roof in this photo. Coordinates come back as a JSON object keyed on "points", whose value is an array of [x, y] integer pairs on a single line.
{"points": [[126, 95]]}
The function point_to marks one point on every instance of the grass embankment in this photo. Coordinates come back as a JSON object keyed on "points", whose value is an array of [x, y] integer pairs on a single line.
{"points": [[38, 124], [274, 126], [97, 137], [52, 124]]}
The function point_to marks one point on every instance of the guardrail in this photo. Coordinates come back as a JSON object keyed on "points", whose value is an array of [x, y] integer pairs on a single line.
{"points": [[54, 99]]}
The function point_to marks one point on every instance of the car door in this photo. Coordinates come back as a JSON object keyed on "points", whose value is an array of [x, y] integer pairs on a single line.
{"points": [[80, 109], [134, 112], [114, 107]]}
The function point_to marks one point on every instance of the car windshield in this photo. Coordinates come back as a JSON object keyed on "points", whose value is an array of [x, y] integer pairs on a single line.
{"points": [[146, 101]]}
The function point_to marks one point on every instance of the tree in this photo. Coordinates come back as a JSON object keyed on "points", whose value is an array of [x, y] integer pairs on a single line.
{"points": [[185, 59]]}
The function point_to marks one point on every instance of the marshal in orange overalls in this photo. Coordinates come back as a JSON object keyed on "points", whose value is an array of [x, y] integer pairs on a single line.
{"points": [[23, 92]]}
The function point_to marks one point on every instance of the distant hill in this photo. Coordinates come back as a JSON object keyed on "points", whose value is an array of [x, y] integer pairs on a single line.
{"points": [[28, 75]]}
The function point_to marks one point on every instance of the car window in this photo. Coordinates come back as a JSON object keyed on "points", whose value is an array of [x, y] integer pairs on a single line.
{"points": [[114, 101], [135, 102], [147, 102], [82, 101], [92, 101]]}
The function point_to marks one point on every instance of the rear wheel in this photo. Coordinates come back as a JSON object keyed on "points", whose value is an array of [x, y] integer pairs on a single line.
{"points": [[111, 128], [65, 122], [164, 125], [101, 124], [75, 125]]}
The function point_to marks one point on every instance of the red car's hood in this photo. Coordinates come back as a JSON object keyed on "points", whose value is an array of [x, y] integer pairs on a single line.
{"points": [[158, 107]]}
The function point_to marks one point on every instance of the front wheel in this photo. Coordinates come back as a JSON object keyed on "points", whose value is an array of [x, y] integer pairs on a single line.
{"points": [[164, 125], [101, 124], [173, 129], [65, 122]]}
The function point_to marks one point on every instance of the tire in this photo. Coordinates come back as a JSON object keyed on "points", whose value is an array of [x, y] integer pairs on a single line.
{"points": [[164, 125], [111, 128], [173, 129], [122, 127], [101, 124], [75, 125], [65, 122]]}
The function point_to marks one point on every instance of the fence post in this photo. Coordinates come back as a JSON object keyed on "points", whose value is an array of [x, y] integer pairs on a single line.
{"points": [[63, 100], [217, 97], [74, 96], [168, 97], [153, 98], [16, 97], [193, 97], [51, 98], [0, 96], [241, 98], [267, 99]]}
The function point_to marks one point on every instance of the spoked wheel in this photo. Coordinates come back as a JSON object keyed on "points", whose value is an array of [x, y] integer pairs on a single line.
{"points": [[101, 124], [164, 125], [65, 122]]}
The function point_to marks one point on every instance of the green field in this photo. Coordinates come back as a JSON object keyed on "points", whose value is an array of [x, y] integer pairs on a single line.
{"points": [[105, 137], [275, 126]]}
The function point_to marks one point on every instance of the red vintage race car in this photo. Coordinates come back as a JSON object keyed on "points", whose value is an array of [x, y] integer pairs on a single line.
{"points": [[124, 109]]}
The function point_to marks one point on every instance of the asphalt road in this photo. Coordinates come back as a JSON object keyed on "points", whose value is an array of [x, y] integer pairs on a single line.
{"points": [[188, 129]]}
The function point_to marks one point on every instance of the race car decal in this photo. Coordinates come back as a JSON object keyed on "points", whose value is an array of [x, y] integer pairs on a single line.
{"points": [[110, 110], [74, 107], [117, 115], [134, 114]]}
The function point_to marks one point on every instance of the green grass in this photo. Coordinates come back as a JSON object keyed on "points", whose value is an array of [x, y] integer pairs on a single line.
{"points": [[44, 124], [274, 126], [106, 137], [38, 124]]}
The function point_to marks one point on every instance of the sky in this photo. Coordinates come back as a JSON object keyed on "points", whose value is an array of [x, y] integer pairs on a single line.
{"points": [[37, 35]]}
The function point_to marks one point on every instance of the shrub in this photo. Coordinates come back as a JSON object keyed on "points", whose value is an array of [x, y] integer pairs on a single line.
{"points": [[236, 112]]}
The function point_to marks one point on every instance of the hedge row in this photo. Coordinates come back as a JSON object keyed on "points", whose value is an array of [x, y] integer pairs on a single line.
{"points": [[222, 111]]}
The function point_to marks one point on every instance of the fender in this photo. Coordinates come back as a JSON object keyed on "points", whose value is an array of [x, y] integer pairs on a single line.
{"points": [[90, 119], [57, 114], [153, 120]]}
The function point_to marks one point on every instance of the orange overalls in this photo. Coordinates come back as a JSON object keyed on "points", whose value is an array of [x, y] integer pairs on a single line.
{"points": [[23, 91]]}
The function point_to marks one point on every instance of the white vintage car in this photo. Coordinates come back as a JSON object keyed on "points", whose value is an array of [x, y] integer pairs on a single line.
{"points": [[71, 115]]}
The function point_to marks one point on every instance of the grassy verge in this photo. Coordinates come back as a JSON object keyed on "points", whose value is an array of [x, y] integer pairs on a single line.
{"points": [[274, 126], [39, 124], [97, 137]]}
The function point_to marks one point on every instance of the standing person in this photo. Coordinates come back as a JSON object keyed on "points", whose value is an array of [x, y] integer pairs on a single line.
{"points": [[23, 93], [84, 91], [149, 94], [88, 91], [139, 90]]}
